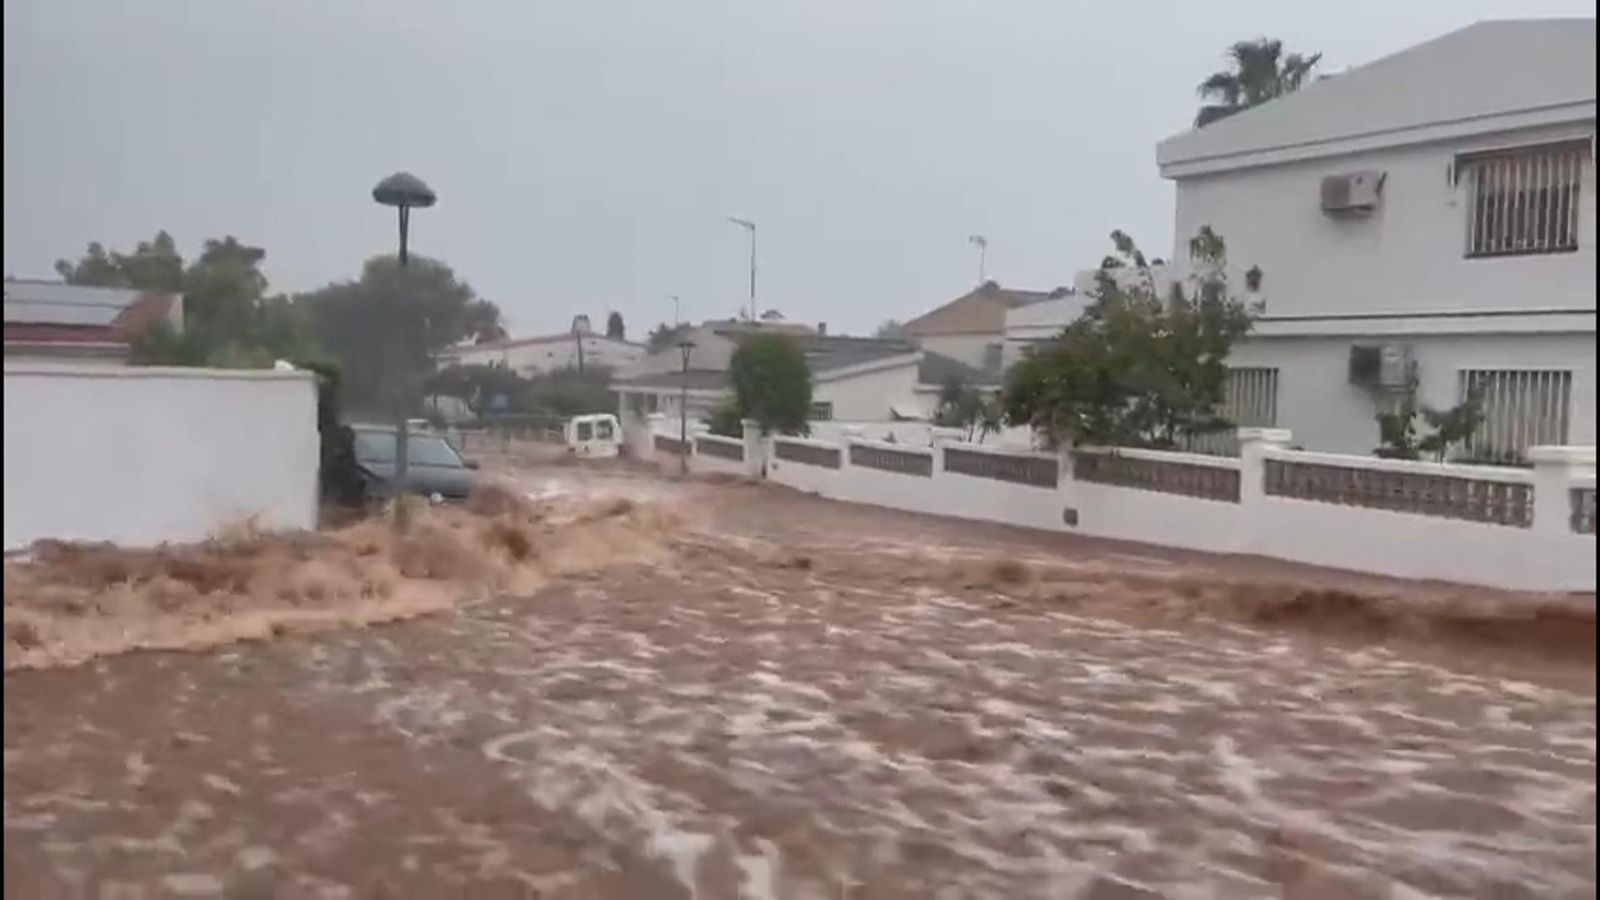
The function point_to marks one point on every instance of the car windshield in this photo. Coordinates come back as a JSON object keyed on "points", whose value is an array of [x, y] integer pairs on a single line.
{"points": [[426, 450]]}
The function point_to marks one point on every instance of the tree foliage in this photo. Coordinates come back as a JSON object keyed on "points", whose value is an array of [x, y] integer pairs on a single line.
{"points": [[771, 383], [1136, 369], [1259, 72], [228, 319], [663, 336], [891, 328], [964, 406], [385, 327], [724, 420], [615, 329], [563, 392], [154, 265], [1400, 437]]}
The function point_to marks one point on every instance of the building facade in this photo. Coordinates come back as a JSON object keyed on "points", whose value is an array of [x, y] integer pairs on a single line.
{"points": [[1425, 220]]}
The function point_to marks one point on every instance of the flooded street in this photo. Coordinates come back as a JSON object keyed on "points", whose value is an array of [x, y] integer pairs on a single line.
{"points": [[808, 699]]}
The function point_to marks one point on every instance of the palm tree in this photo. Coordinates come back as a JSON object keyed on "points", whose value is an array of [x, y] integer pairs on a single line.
{"points": [[1260, 72]]}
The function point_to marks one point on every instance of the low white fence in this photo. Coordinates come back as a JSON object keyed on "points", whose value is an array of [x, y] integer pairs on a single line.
{"points": [[1510, 528], [139, 456], [1501, 527]]}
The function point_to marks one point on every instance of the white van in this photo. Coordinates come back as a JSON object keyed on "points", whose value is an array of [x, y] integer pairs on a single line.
{"points": [[593, 436]]}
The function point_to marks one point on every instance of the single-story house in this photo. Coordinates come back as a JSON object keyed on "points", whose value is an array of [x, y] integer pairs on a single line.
{"points": [[52, 320], [972, 327], [853, 379]]}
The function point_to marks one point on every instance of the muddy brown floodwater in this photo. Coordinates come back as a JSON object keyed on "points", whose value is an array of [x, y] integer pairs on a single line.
{"points": [[808, 699]]}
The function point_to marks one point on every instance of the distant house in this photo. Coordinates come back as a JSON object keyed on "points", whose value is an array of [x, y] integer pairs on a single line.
{"points": [[56, 321], [853, 379], [546, 353], [972, 327]]}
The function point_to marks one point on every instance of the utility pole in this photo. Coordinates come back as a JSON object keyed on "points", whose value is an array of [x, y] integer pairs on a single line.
{"points": [[685, 347], [580, 328], [982, 243], [749, 226]]}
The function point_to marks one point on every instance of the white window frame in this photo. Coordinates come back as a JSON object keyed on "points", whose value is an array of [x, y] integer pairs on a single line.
{"points": [[1539, 189], [1226, 443], [1508, 442]]}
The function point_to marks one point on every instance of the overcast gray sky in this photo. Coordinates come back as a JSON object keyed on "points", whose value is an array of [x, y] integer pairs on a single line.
{"points": [[586, 153]]}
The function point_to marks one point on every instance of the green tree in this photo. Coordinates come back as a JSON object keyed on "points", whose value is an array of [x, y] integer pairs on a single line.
{"points": [[724, 419], [663, 336], [772, 383], [569, 392], [1259, 72], [385, 327], [475, 384], [615, 329], [1400, 438], [891, 328], [154, 265], [1136, 369], [963, 406], [227, 319]]}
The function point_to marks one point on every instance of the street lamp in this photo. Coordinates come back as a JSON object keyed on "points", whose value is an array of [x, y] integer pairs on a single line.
{"points": [[749, 226], [677, 316], [403, 191], [685, 347], [982, 243]]}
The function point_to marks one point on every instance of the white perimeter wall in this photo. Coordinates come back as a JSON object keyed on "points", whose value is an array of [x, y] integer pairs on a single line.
{"points": [[138, 456], [1326, 412], [1548, 556]]}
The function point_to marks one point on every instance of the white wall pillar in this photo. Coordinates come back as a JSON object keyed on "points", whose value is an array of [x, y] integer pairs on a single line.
{"points": [[1253, 444], [755, 450], [1554, 469]]}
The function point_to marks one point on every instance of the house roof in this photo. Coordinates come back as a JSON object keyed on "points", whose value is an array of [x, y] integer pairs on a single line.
{"points": [[938, 369], [694, 380], [981, 310], [741, 326], [563, 337], [1467, 79], [830, 353], [50, 312]]}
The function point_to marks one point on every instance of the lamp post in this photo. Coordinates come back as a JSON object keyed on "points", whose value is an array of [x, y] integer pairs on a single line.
{"points": [[982, 243], [580, 330], [749, 226], [404, 192], [677, 315], [685, 347]]}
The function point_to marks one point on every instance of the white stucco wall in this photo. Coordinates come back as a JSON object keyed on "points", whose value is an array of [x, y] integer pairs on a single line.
{"points": [[1326, 412], [868, 396], [139, 456], [1408, 255]]}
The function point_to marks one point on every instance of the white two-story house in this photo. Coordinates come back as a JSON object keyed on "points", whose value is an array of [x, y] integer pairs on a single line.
{"points": [[1428, 215]]}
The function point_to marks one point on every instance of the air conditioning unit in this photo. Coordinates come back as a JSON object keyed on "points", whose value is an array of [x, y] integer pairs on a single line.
{"points": [[1381, 365], [1352, 193]]}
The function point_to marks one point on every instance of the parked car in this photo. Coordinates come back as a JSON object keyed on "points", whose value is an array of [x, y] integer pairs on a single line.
{"points": [[432, 464]]}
